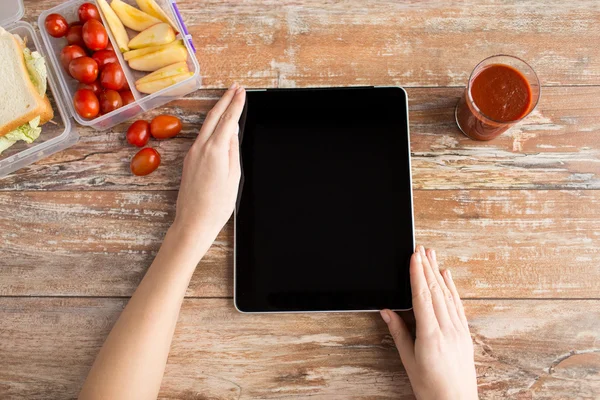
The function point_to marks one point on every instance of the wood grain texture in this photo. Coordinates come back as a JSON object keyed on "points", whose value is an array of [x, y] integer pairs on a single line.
{"points": [[407, 43], [79, 224], [557, 147], [499, 244], [275, 43], [94, 243], [524, 350]]}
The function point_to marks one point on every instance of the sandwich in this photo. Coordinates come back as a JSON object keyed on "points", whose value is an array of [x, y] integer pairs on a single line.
{"points": [[24, 106]]}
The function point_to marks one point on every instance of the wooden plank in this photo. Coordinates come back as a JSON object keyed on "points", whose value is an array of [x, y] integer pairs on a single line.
{"points": [[524, 349], [266, 43], [552, 149], [94, 243], [415, 43], [499, 244], [557, 147]]}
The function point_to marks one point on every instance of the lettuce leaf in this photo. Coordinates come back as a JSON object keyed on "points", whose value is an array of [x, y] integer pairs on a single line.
{"points": [[5, 144], [28, 133], [38, 72]]}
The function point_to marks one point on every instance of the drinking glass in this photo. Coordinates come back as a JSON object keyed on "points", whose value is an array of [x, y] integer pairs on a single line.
{"points": [[472, 121]]}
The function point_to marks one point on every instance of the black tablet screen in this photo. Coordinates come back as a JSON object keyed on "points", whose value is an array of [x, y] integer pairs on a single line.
{"points": [[324, 218]]}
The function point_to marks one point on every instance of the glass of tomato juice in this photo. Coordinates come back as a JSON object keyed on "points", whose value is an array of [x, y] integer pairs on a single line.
{"points": [[502, 90]]}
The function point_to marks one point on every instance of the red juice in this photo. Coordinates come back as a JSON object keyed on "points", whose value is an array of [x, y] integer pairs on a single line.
{"points": [[497, 97]]}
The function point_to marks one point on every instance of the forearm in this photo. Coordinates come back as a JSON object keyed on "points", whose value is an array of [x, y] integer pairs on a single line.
{"points": [[132, 361]]}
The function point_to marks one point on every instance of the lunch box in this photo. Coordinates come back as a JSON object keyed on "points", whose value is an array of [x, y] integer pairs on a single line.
{"points": [[61, 132]]}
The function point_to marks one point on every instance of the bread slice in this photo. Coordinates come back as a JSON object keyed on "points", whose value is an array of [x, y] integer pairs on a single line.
{"points": [[48, 113], [20, 102]]}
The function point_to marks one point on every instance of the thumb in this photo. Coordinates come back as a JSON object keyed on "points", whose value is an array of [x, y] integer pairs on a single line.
{"points": [[402, 337], [234, 155]]}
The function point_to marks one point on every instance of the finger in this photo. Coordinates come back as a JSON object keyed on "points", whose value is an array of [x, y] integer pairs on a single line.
{"points": [[448, 298], [421, 297], [229, 123], [214, 116], [437, 296], [404, 341], [457, 301], [234, 157]]}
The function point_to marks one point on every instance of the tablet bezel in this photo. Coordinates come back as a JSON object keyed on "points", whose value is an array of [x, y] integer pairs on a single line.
{"points": [[242, 122]]}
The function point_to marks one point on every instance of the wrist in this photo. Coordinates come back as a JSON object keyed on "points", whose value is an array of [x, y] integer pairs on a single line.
{"points": [[195, 242]]}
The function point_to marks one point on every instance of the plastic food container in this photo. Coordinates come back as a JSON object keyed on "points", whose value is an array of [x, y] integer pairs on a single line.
{"points": [[61, 132]]}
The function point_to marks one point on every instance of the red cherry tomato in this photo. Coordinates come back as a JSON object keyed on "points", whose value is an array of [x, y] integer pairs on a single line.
{"points": [[86, 103], [56, 25], [109, 46], [103, 57], [75, 36], [94, 87], [84, 69], [138, 133], [88, 11], [145, 162], [165, 127], [127, 97], [69, 53], [112, 77], [110, 100], [94, 35]]}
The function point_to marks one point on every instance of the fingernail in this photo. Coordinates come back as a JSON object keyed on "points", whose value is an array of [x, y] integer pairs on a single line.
{"points": [[422, 250], [240, 90], [449, 274], [433, 255], [233, 86], [418, 257], [385, 316]]}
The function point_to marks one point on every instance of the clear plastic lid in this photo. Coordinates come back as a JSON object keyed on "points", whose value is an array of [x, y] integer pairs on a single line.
{"points": [[59, 133], [11, 11]]}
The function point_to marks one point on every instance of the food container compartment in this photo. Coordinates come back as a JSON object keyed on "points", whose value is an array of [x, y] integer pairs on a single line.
{"points": [[59, 133], [143, 102]]}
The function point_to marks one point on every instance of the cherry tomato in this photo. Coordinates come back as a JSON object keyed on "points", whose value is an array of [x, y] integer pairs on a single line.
{"points": [[112, 77], [109, 46], [165, 127], [127, 97], [103, 57], [86, 103], [94, 35], [88, 11], [94, 87], [84, 69], [110, 100], [69, 53], [145, 162], [138, 133], [75, 36], [56, 25]]}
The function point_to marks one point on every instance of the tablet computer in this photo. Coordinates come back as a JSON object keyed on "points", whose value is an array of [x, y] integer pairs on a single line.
{"points": [[324, 218]]}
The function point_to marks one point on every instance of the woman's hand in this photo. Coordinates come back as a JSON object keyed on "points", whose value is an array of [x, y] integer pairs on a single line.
{"points": [[211, 170], [132, 361], [439, 362]]}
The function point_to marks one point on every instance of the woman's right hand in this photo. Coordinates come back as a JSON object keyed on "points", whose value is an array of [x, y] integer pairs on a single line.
{"points": [[439, 362]]}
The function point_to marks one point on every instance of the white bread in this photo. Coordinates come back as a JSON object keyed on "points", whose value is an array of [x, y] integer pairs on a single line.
{"points": [[20, 102]]}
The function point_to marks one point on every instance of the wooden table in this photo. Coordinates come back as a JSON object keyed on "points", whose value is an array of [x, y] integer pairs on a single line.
{"points": [[517, 219]]}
